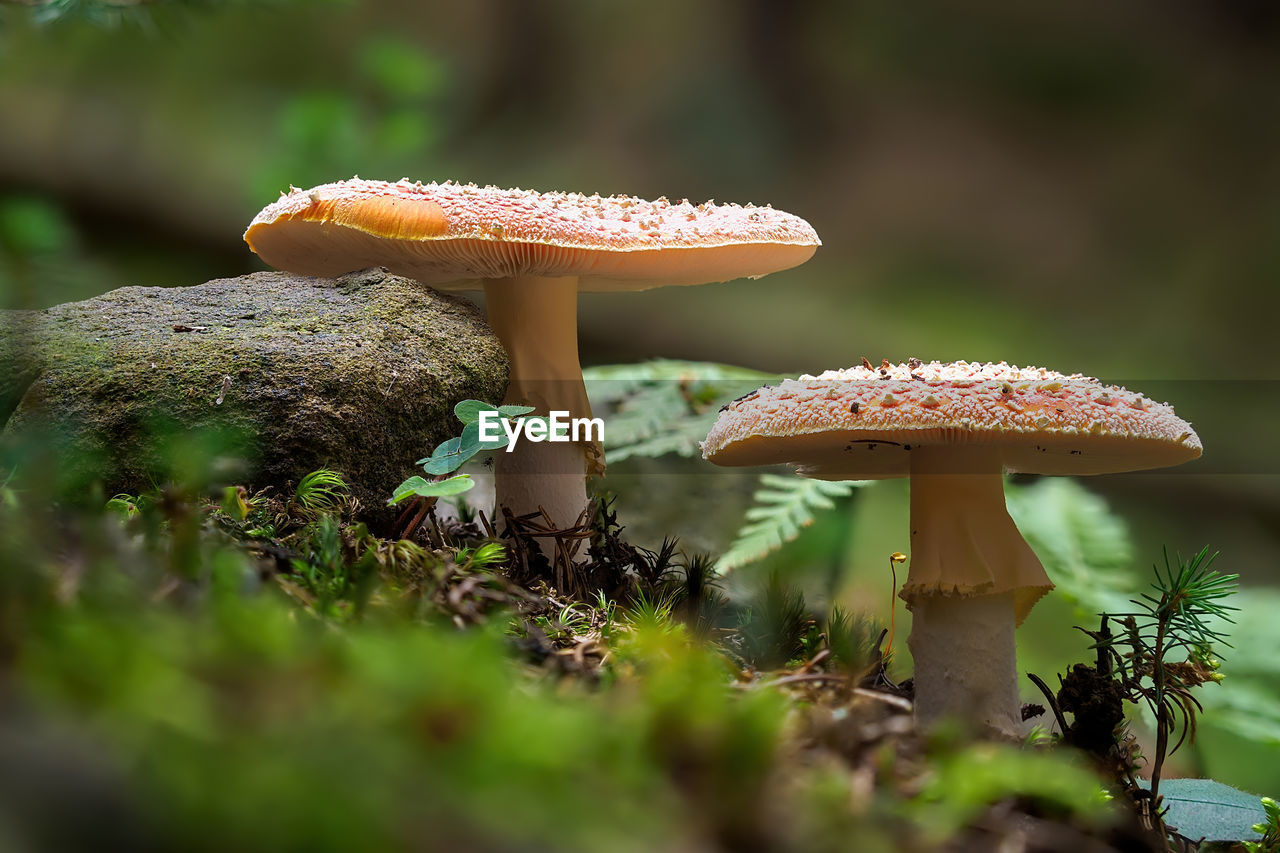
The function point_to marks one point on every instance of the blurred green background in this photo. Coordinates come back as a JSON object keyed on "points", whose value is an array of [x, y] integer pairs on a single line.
{"points": [[1091, 187]]}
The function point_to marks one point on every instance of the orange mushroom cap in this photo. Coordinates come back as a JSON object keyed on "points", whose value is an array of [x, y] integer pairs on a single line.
{"points": [[861, 423], [449, 235]]}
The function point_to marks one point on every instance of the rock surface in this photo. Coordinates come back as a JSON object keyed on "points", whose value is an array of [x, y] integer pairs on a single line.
{"points": [[359, 374]]}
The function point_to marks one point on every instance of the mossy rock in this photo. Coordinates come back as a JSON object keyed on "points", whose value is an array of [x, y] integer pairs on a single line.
{"points": [[282, 372]]}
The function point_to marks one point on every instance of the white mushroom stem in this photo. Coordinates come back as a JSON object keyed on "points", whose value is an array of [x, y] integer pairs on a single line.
{"points": [[972, 580], [965, 660], [537, 321]]}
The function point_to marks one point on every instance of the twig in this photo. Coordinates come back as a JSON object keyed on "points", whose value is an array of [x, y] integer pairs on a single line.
{"points": [[1052, 700], [881, 696], [797, 677], [816, 659]]}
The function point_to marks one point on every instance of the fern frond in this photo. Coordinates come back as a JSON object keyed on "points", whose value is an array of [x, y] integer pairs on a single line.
{"points": [[783, 506], [663, 406], [648, 411], [1085, 548]]}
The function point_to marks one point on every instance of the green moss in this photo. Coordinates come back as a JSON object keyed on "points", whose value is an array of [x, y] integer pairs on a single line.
{"points": [[293, 373]]}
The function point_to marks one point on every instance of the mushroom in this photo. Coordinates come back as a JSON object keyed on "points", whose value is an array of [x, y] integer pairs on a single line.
{"points": [[531, 253], [952, 428]]}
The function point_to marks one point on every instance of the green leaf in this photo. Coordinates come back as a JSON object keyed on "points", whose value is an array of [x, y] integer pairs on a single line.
{"points": [[444, 448], [490, 444], [453, 454], [1257, 658], [1203, 808], [432, 488], [1244, 705], [446, 458], [783, 507], [233, 505], [469, 441], [126, 506], [468, 411], [1085, 549]]}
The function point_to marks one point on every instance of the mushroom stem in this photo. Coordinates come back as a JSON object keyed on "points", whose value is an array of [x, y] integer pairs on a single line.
{"points": [[536, 320], [972, 580], [965, 660]]}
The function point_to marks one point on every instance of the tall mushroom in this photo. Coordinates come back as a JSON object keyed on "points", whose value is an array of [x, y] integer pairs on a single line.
{"points": [[531, 253], [952, 428]]}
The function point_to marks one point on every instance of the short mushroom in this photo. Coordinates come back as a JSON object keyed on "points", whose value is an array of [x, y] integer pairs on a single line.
{"points": [[952, 428], [531, 253]]}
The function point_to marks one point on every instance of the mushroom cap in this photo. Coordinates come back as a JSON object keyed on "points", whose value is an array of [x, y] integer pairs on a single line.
{"points": [[452, 236], [862, 423]]}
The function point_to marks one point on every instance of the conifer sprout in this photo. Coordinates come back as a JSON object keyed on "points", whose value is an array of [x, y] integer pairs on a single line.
{"points": [[531, 253], [953, 428]]}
